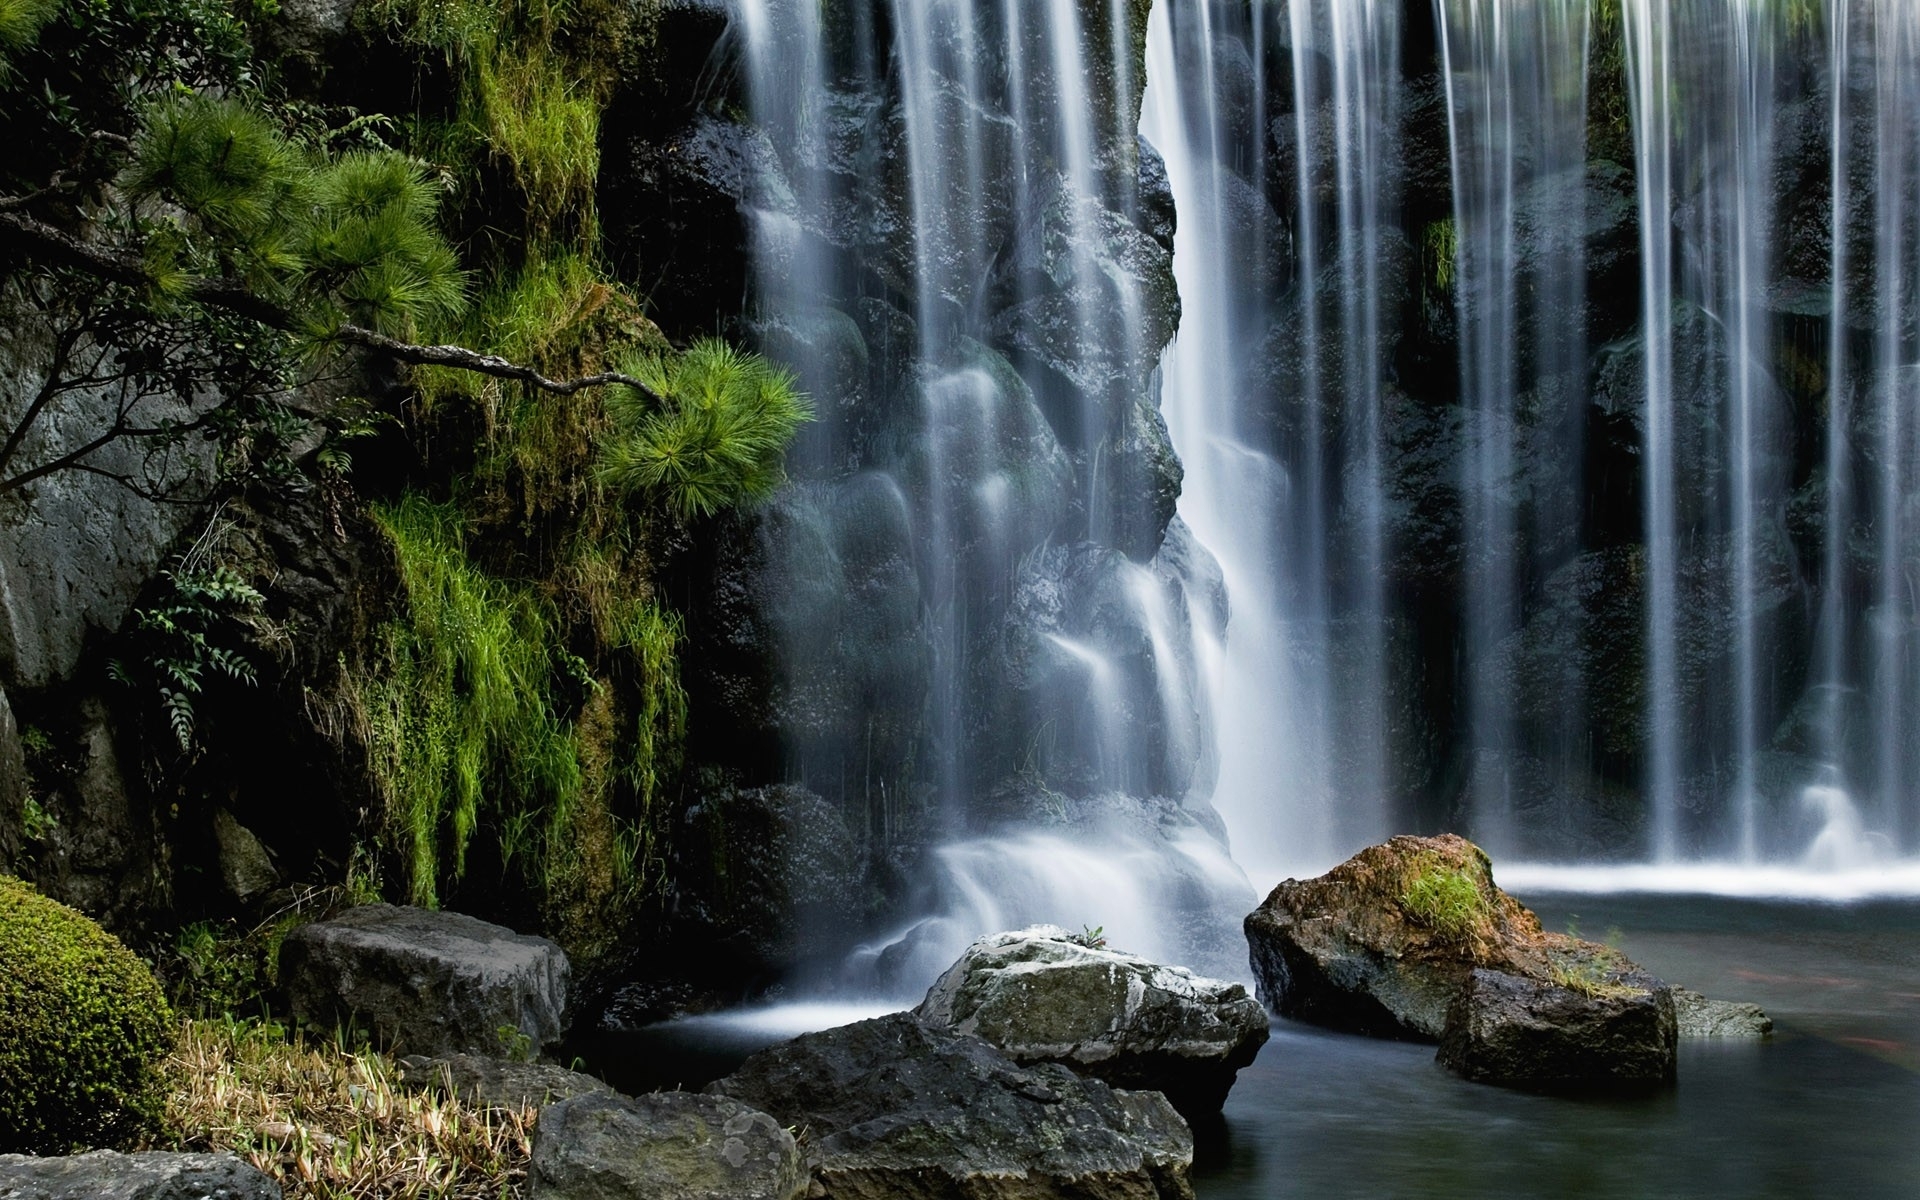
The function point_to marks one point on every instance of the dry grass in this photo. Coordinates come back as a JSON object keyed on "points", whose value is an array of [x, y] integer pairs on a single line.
{"points": [[330, 1123]]}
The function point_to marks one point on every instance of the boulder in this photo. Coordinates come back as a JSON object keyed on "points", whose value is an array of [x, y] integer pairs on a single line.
{"points": [[495, 1082], [1700, 1017], [897, 1109], [663, 1146], [104, 1175], [428, 982], [1039, 995], [1381, 943], [1612, 1031]]}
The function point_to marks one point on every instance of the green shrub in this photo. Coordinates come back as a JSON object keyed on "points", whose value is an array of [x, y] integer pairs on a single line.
{"points": [[83, 1029]]}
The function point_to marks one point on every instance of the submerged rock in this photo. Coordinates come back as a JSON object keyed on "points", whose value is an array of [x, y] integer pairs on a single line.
{"points": [[428, 982], [1413, 939], [104, 1175], [1614, 1030], [897, 1109], [1700, 1017], [497, 1083], [1040, 995], [663, 1146]]}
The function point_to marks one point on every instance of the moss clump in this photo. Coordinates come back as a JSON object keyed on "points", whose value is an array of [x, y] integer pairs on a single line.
{"points": [[83, 1030], [1447, 900]]}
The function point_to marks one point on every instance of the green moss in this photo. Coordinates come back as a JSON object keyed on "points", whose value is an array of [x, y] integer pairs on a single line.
{"points": [[1448, 900], [83, 1030], [1441, 246]]}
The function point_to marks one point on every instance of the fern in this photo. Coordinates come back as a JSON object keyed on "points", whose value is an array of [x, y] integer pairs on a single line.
{"points": [[174, 646]]}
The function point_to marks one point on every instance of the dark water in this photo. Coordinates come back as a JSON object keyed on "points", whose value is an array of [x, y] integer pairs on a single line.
{"points": [[1830, 1107]]}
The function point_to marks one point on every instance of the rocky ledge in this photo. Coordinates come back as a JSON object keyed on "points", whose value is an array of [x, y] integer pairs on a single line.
{"points": [[104, 1175], [1412, 939], [894, 1109], [1043, 995]]}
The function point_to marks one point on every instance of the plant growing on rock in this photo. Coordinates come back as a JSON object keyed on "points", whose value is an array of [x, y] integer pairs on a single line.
{"points": [[83, 1030], [1447, 900]]}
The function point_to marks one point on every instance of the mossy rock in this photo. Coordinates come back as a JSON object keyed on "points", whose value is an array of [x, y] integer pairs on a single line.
{"points": [[83, 1029]]}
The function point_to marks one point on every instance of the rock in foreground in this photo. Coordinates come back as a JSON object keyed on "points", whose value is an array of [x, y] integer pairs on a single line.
{"points": [[1041, 996], [1613, 1032], [1412, 939], [496, 1083], [663, 1146], [897, 1110], [1700, 1017], [103, 1175], [1382, 943], [428, 983]]}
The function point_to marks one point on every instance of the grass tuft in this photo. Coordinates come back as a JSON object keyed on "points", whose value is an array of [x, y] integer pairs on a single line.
{"points": [[329, 1123], [1447, 900]]}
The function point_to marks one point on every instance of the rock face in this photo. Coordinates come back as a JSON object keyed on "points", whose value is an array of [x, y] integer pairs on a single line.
{"points": [[663, 1146], [428, 982], [1700, 1017], [1614, 1033], [497, 1083], [1411, 938], [1040, 996], [1349, 950], [104, 1175], [896, 1109]]}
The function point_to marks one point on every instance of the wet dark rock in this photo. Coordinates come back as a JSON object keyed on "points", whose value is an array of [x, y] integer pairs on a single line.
{"points": [[1156, 214], [104, 1175], [1042, 996], [662, 1146], [770, 874], [1613, 1031], [1700, 1017], [895, 1109], [428, 982], [496, 1082]]}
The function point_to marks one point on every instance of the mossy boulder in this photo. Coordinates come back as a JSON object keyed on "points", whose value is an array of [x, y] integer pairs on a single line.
{"points": [[1412, 939], [83, 1030]]}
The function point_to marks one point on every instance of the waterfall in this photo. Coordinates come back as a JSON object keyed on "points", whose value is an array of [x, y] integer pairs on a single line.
{"points": [[1335, 417]]}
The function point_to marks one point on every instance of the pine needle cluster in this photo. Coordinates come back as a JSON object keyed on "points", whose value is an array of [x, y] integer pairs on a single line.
{"points": [[351, 239], [716, 438]]}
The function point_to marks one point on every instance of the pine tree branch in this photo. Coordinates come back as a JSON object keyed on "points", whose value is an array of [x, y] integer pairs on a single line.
{"points": [[39, 240]]}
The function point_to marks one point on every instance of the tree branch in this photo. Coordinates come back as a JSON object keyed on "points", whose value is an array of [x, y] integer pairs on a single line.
{"points": [[40, 240]]}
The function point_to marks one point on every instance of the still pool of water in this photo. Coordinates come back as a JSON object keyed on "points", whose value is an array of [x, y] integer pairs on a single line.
{"points": [[1830, 1107]]}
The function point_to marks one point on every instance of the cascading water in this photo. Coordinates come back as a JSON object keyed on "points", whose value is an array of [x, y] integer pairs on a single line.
{"points": [[1544, 385]]}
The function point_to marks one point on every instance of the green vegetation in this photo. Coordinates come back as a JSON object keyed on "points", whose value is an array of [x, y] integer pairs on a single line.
{"points": [[174, 646], [83, 1029], [1590, 970], [1447, 900], [717, 439]]}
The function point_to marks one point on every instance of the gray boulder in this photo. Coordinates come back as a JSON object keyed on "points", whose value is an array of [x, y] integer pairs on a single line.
{"points": [[1700, 1017], [663, 1146], [1041, 996], [428, 982], [104, 1175], [1613, 1032], [896, 1109], [495, 1082]]}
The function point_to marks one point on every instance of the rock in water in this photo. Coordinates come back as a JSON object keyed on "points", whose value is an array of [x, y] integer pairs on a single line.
{"points": [[897, 1110], [1700, 1017], [428, 982], [663, 1146], [496, 1083], [1412, 939], [1381, 943], [1613, 1032], [104, 1175], [1041, 996]]}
